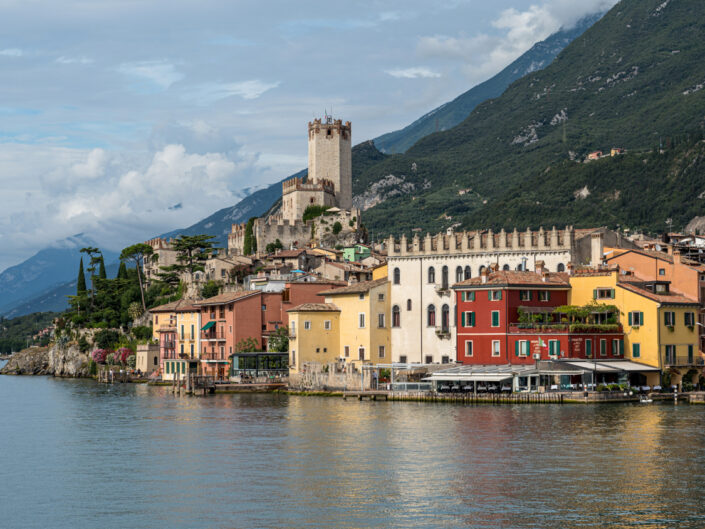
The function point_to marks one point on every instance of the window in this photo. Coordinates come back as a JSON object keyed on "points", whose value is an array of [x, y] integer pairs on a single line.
{"points": [[361, 320], [402, 359], [307, 325], [495, 347], [325, 349], [459, 274], [380, 297], [380, 321], [690, 354], [467, 319], [554, 348], [182, 332], [603, 293], [293, 357], [689, 319], [445, 317], [222, 312], [191, 350], [495, 318], [636, 318], [588, 348], [431, 274], [381, 351], [445, 359], [662, 271], [431, 316], [156, 319], [318, 349], [192, 334], [521, 348], [494, 295], [467, 296], [560, 268], [428, 359], [361, 353], [467, 273], [264, 307], [396, 316], [182, 348], [444, 278], [408, 304], [615, 347], [544, 295], [326, 325], [346, 349], [362, 296], [506, 267], [670, 354], [468, 348], [155, 360], [603, 347], [397, 276], [669, 318], [525, 295]]}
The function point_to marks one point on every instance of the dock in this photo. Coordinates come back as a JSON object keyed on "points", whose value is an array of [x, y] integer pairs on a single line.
{"points": [[366, 394]]}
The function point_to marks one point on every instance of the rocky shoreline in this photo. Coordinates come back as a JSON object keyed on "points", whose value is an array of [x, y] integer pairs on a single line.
{"points": [[55, 360]]}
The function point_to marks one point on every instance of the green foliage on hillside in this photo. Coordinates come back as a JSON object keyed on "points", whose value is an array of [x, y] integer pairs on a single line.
{"points": [[313, 211], [18, 333], [630, 81]]}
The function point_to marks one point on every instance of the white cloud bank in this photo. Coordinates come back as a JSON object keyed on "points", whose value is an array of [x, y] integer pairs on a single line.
{"points": [[413, 73]]}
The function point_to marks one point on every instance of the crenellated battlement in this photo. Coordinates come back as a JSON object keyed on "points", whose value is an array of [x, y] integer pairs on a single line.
{"points": [[159, 244], [299, 184], [330, 127], [468, 242]]}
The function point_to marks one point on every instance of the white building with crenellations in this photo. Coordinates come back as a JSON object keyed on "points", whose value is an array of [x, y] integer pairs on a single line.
{"points": [[328, 183], [422, 270]]}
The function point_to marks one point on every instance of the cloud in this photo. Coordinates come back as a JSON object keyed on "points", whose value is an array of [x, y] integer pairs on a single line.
{"points": [[161, 74], [209, 92], [413, 73], [11, 52], [73, 60]]}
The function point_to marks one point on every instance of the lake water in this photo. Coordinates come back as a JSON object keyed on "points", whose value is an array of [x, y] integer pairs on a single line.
{"points": [[76, 454]]}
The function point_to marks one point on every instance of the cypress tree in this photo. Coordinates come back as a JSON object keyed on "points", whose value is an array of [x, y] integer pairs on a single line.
{"points": [[101, 271], [81, 283], [122, 271]]}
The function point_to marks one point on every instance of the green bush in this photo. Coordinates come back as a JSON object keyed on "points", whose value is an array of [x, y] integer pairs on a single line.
{"points": [[106, 339], [142, 332], [313, 211], [337, 228], [210, 289]]}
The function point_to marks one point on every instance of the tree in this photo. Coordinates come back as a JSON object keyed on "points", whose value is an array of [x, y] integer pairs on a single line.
{"points": [[247, 345], [95, 258], [192, 252], [101, 270], [250, 242], [137, 254], [210, 289], [122, 271], [337, 228], [81, 282], [274, 246], [171, 275], [279, 341]]}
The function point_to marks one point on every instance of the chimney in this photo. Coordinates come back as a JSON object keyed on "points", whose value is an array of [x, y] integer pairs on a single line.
{"points": [[483, 274], [677, 257], [544, 275], [597, 249], [539, 267]]}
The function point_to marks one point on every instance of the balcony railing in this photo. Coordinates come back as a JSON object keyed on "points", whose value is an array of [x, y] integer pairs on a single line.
{"points": [[575, 328], [292, 333], [683, 360], [215, 336], [168, 344], [443, 332], [213, 356]]}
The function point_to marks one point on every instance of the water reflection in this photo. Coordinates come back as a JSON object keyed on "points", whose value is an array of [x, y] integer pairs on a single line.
{"points": [[77, 454]]}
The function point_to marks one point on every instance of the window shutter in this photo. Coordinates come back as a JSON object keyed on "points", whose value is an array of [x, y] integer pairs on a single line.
{"points": [[489, 295], [630, 319], [594, 294], [621, 347], [472, 296], [641, 318], [472, 319], [516, 348], [548, 295], [529, 291], [462, 319], [500, 295], [612, 293]]}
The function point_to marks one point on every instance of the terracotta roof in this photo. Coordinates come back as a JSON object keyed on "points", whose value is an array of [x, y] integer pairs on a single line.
{"points": [[228, 297], [315, 307], [286, 254], [356, 288], [514, 278], [336, 282], [647, 253], [181, 305], [582, 272], [668, 299]]}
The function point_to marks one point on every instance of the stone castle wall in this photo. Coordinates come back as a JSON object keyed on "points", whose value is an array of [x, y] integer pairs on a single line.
{"points": [[330, 157]]}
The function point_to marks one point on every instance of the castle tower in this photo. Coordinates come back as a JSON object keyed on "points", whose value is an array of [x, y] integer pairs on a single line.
{"points": [[330, 157]]}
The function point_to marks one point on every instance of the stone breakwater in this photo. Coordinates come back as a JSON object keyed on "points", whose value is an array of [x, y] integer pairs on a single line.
{"points": [[55, 360]]}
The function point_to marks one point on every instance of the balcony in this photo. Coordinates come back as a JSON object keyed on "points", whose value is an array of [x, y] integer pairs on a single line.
{"points": [[443, 290], [168, 344], [292, 334], [443, 332], [213, 336], [683, 361], [214, 357], [573, 328]]}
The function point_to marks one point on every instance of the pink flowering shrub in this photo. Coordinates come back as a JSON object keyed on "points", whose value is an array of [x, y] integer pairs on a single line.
{"points": [[122, 354], [100, 355]]}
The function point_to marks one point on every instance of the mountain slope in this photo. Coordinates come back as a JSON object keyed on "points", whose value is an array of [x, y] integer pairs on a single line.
{"points": [[450, 114], [44, 270], [635, 80]]}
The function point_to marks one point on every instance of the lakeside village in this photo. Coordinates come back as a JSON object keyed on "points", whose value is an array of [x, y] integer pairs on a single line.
{"points": [[302, 302]]}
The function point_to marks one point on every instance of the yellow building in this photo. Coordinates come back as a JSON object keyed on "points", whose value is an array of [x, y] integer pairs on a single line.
{"points": [[188, 325], [163, 317], [379, 271], [659, 325], [364, 321], [314, 335]]}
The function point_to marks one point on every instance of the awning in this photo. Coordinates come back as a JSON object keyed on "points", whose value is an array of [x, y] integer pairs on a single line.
{"points": [[592, 366], [477, 377], [626, 365], [208, 326]]}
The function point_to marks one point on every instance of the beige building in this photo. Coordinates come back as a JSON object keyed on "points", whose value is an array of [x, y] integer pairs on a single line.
{"points": [[314, 335], [147, 358]]}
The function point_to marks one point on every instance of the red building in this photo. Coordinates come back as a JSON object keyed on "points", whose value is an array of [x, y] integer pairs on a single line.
{"points": [[229, 318], [510, 317]]}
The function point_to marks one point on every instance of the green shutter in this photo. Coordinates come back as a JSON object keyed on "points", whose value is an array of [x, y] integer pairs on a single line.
{"points": [[621, 347], [472, 296], [588, 347], [548, 295], [495, 318], [462, 319], [636, 350], [612, 293], [516, 348], [500, 295], [489, 295], [630, 319], [594, 294], [641, 318], [472, 319], [529, 291]]}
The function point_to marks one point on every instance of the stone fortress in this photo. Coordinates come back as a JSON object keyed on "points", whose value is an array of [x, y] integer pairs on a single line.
{"points": [[328, 183]]}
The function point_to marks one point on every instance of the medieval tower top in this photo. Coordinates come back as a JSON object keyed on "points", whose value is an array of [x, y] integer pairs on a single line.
{"points": [[330, 157]]}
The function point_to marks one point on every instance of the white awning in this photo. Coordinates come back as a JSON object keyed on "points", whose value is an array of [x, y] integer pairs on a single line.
{"points": [[632, 367], [469, 377], [593, 366]]}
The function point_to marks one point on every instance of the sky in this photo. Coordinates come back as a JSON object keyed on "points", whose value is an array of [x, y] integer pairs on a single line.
{"points": [[124, 119]]}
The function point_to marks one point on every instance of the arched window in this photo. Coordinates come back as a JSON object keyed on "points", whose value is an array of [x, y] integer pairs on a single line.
{"points": [[444, 278], [506, 267], [459, 274], [397, 276], [431, 274], [482, 268], [396, 316], [431, 316], [467, 273], [408, 304], [561, 267], [445, 317]]}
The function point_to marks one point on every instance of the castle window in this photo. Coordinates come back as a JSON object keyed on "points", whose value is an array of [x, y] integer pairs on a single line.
{"points": [[311, 200], [431, 274], [444, 278], [467, 273], [561, 267], [459, 274], [506, 267], [397, 276], [396, 316], [431, 316], [408, 304]]}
